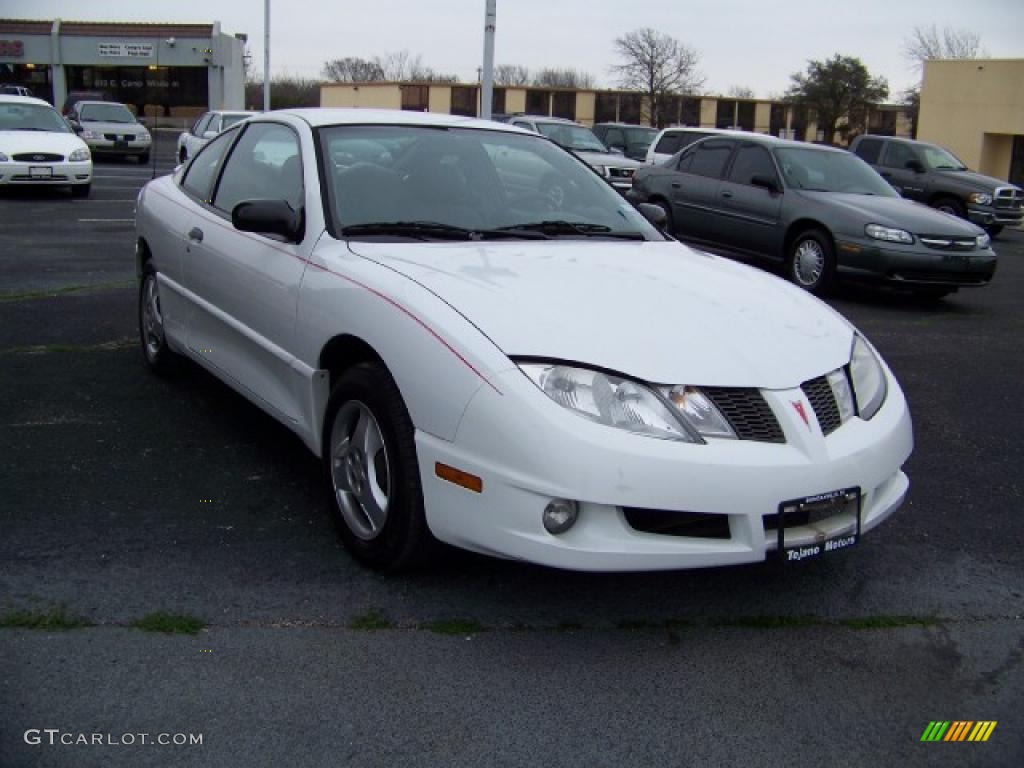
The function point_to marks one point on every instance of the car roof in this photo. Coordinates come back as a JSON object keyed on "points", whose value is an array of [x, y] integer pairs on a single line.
{"points": [[321, 116], [10, 98], [95, 101], [232, 112], [626, 125], [767, 140]]}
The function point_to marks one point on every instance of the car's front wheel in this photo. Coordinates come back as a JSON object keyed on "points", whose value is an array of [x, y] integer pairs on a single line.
{"points": [[372, 475], [951, 206], [812, 262], [182, 155], [155, 352], [143, 158]]}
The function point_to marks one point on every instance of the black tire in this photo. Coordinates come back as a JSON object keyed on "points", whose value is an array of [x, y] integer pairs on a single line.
{"points": [[950, 205], [81, 190], [158, 356], [402, 540], [670, 225], [818, 280], [994, 230], [143, 158], [182, 156]]}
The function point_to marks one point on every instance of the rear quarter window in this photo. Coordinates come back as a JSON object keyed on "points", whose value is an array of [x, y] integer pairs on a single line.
{"points": [[869, 150]]}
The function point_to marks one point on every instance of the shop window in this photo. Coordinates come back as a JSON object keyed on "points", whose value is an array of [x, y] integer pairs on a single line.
{"points": [[690, 112], [629, 108], [415, 98], [498, 101], [464, 100], [537, 102], [777, 120], [606, 108], [563, 104], [745, 115], [725, 114]]}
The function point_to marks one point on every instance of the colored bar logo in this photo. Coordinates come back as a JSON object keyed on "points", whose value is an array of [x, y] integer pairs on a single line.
{"points": [[959, 730]]}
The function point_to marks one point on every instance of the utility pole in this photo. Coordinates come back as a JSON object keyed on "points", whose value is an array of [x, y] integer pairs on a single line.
{"points": [[266, 55], [487, 80]]}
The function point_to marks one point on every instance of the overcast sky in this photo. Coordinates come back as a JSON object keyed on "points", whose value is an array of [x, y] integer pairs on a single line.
{"points": [[753, 43]]}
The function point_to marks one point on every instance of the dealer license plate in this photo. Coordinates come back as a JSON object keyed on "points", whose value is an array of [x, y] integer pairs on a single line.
{"points": [[816, 511], [40, 171]]}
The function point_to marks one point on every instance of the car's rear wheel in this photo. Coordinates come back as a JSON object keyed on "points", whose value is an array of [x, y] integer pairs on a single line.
{"points": [[812, 262], [372, 475], [143, 158], [81, 190], [950, 205], [669, 223], [155, 352]]}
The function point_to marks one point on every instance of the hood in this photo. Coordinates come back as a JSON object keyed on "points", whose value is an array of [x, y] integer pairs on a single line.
{"points": [[607, 158], [895, 212], [101, 126], [16, 142], [978, 180], [660, 312]]}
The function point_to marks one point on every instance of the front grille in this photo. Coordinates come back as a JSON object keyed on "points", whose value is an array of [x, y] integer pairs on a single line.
{"points": [[110, 136], [38, 157], [823, 401], [747, 413], [943, 243], [1008, 197], [42, 180], [697, 525]]}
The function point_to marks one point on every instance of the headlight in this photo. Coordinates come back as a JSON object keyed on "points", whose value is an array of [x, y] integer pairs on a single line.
{"points": [[143, 137], [889, 234], [609, 400], [79, 155], [699, 412], [869, 386], [984, 241], [980, 198], [92, 135]]}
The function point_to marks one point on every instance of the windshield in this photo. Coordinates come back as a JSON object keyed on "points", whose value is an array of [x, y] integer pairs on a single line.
{"points": [[574, 137], [821, 170], [106, 113], [229, 120], [31, 117], [466, 184], [939, 159]]}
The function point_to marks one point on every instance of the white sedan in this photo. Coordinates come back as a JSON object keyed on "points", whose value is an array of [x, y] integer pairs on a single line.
{"points": [[38, 148], [208, 125], [534, 376]]}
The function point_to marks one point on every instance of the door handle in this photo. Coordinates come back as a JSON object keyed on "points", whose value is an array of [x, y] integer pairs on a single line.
{"points": [[675, 185], [195, 234], [727, 194]]}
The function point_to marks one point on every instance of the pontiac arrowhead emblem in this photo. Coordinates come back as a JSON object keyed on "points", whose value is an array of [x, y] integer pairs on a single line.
{"points": [[799, 406]]}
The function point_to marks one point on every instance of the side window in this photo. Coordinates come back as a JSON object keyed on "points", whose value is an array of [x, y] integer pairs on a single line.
{"points": [[710, 157], [265, 164], [751, 161], [615, 138], [668, 144], [897, 154], [521, 124], [685, 158], [686, 139], [214, 124], [201, 173], [868, 150], [201, 123]]}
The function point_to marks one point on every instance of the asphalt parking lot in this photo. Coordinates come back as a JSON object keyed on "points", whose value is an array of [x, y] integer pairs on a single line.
{"points": [[124, 494]]}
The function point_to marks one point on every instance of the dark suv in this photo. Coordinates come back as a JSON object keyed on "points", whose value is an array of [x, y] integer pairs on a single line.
{"points": [[932, 175], [630, 140]]}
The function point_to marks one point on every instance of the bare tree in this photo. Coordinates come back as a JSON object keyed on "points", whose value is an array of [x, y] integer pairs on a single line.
{"points": [[928, 43], [399, 65], [563, 78], [353, 70], [657, 64], [511, 74], [741, 92]]}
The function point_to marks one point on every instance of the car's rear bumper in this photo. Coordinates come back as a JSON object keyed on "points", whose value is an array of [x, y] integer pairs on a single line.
{"points": [[64, 173], [915, 265], [525, 461], [103, 147]]}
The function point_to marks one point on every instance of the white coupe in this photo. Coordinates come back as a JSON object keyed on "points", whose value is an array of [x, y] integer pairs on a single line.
{"points": [[487, 346]]}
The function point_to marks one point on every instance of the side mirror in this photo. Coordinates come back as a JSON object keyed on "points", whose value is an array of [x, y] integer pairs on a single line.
{"points": [[915, 166], [765, 182], [654, 214], [268, 217]]}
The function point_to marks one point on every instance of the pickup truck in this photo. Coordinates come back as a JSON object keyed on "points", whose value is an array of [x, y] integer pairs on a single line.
{"points": [[932, 175]]}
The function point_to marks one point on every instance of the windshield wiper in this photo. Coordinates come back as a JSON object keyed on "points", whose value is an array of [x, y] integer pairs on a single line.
{"points": [[434, 229], [559, 227]]}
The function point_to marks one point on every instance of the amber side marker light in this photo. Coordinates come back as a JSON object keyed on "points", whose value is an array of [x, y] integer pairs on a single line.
{"points": [[458, 477]]}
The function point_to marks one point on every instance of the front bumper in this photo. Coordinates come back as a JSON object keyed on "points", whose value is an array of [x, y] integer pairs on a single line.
{"points": [[528, 452], [914, 264], [108, 147], [43, 174]]}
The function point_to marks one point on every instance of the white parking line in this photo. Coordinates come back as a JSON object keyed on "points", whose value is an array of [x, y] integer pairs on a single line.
{"points": [[130, 200]]}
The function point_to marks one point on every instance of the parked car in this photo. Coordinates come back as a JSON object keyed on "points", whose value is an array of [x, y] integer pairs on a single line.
{"points": [[74, 97], [563, 385], [110, 129], [14, 90], [674, 140], [933, 175], [581, 140], [822, 211], [37, 148], [205, 128], [631, 140]]}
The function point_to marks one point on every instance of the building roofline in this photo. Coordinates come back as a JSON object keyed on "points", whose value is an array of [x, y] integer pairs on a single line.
{"points": [[118, 28]]}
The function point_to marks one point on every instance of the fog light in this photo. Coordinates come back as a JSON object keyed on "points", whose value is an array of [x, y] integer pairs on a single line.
{"points": [[560, 515]]}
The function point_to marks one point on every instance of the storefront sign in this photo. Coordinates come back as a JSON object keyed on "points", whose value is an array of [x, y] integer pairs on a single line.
{"points": [[12, 49], [125, 50]]}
